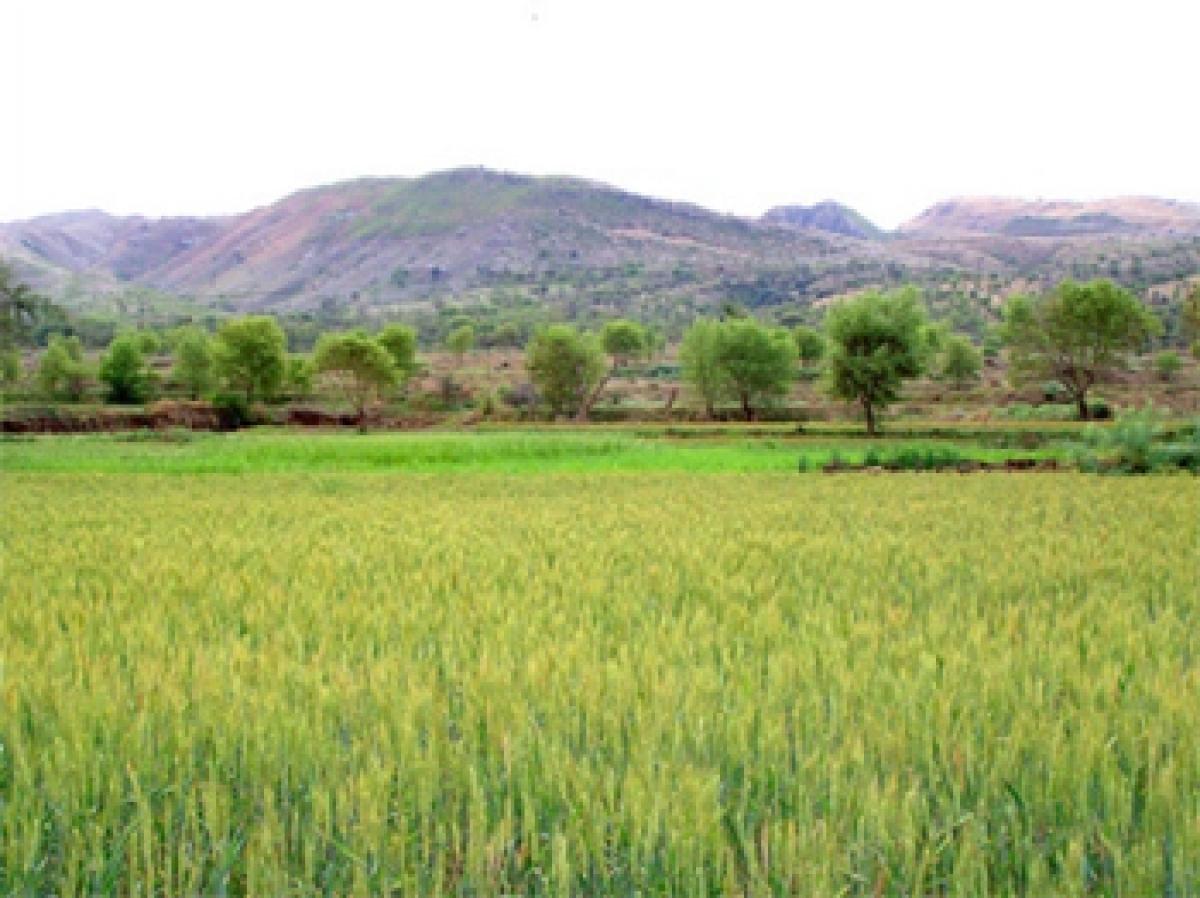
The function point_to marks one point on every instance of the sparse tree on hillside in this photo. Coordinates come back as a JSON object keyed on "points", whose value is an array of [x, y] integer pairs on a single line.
{"points": [[960, 362], [701, 369], [757, 363], [1075, 336], [251, 355], [875, 342], [1167, 365], [460, 341], [18, 308], [810, 345], [507, 335], [361, 364], [565, 365]]}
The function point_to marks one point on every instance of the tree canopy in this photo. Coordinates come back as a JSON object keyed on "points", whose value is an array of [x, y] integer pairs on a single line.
{"points": [[756, 363], [361, 362], [565, 365], [875, 342], [1077, 335], [251, 355], [124, 371]]}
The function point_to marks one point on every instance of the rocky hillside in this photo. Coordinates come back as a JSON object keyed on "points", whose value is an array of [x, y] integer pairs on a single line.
{"points": [[392, 240], [830, 217], [1127, 216], [375, 248]]}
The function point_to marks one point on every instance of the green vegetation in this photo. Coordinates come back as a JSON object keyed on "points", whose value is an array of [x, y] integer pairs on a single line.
{"points": [[195, 364], [251, 356], [513, 452], [566, 366], [485, 684], [1076, 336], [362, 364], [876, 342], [62, 372], [123, 369]]}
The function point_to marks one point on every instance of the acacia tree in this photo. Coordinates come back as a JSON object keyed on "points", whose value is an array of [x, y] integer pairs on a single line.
{"points": [[1076, 336], [362, 364], [756, 363], [875, 342], [565, 365], [251, 355], [622, 341], [960, 362], [698, 360]]}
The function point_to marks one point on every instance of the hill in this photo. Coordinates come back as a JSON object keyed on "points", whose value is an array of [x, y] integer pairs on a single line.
{"points": [[382, 242], [1143, 216], [529, 249], [831, 217]]}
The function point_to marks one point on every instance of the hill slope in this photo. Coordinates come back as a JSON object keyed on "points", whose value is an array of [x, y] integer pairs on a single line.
{"points": [[831, 217], [1144, 216], [390, 240]]}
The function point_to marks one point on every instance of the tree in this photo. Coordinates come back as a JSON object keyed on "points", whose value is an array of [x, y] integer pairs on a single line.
{"points": [[19, 308], [123, 369], [461, 340], [565, 365], [1167, 364], [400, 341], [506, 335], [251, 355], [299, 377], [61, 370], [1075, 336], [960, 361], [810, 345], [361, 362], [698, 359], [149, 342], [876, 341], [10, 366], [195, 365], [756, 362], [1191, 320], [622, 341]]}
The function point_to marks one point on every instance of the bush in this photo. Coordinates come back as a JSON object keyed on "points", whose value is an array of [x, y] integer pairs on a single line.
{"points": [[1167, 365], [1133, 445], [233, 410]]}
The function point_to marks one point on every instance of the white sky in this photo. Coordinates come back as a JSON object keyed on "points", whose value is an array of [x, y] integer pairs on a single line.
{"points": [[216, 106]]}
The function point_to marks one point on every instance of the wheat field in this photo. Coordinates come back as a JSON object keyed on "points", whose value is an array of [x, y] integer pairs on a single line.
{"points": [[646, 684]]}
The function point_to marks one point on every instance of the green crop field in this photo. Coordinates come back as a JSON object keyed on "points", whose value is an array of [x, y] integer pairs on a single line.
{"points": [[656, 683]]}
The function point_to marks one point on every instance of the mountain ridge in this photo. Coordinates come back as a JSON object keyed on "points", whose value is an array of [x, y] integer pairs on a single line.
{"points": [[382, 243]]}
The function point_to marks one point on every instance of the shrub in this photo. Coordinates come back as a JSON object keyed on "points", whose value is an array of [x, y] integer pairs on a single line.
{"points": [[233, 410]]}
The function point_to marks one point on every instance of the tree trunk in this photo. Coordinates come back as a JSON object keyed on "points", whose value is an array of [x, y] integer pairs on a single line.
{"points": [[747, 408], [1082, 406], [593, 397], [869, 412]]}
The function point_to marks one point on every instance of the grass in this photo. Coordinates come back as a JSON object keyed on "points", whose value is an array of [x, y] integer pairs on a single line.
{"points": [[515, 452], [486, 684]]}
